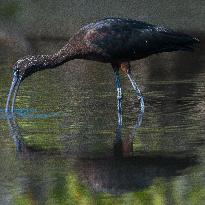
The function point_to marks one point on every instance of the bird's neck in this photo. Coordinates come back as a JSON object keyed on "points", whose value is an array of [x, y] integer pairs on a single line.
{"points": [[65, 54]]}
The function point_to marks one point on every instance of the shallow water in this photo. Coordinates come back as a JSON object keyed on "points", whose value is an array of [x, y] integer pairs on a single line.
{"points": [[62, 146]]}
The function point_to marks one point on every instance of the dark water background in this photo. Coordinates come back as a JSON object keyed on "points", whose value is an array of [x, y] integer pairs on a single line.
{"points": [[63, 146]]}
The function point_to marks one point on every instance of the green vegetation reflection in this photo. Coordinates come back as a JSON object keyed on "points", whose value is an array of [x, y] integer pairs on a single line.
{"points": [[69, 191]]}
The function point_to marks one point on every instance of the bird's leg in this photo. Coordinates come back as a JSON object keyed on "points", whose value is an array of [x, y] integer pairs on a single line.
{"points": [[119, 96], [137, 90]]}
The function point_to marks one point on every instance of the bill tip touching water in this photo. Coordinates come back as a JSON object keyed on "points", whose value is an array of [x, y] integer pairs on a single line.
{"points": [[113, 40]]}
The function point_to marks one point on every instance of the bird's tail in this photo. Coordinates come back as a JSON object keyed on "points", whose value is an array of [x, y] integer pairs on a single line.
{"points": [[179, 41], [186, 42]]}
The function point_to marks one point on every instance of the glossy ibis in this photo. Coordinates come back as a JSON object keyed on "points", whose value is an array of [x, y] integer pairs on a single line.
{"points": [[112, 40]]}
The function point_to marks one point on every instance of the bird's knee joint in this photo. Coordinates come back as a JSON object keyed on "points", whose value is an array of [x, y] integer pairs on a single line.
{"points": [[125, 67]]}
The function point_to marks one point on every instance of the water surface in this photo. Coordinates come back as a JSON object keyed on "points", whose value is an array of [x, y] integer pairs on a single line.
{"points": [[63, 145]]}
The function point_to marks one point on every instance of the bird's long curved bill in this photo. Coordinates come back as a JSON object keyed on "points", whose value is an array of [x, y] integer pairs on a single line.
{"points": [[13, 92]]}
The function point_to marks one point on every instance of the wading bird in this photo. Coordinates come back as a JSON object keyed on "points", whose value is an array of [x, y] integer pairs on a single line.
{"points": [[113, 40]]}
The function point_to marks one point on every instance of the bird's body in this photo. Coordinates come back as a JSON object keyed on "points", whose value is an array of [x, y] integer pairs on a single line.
{"points": [[113, 40], [120, 40]]}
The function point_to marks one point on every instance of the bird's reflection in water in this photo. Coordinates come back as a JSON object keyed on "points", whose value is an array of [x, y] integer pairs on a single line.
{"points": [[125, 147], [15, 133], [120, 147], [124, 171]]}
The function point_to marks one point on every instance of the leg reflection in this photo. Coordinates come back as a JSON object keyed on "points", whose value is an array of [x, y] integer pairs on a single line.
{"points": [[15, 132], [123, 148]]}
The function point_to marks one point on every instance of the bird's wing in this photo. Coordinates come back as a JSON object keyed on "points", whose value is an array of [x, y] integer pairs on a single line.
{"points": [[120, 39]]}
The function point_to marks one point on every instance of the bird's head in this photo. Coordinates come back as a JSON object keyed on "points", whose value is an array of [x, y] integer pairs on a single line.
{"points": [[23, 68]]}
